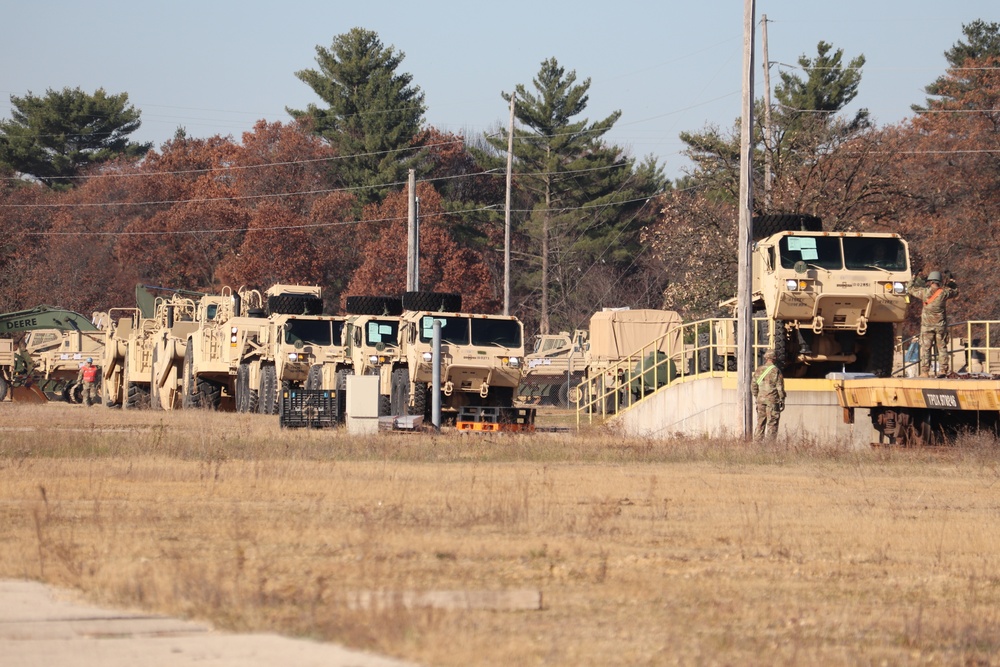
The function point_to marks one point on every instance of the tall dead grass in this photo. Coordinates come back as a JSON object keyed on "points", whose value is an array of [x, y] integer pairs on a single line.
{"points": [[646, 552]]}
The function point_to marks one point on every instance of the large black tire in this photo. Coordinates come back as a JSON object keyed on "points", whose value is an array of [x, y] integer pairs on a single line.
{"points": [[562, 394], [268, 404], [880, 348], [4, 387], [374, 305], [443, 302], [136, 396], [766, 225], [190, 396], [73, 393], [342, 391], [294, 304], [763, 325], [242, 388], [154, 389], [399, 389], [420, 403], [209, 394], [384, 405], [314, 380]]}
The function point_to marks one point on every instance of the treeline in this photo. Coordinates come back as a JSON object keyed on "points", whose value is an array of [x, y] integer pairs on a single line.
{"points": [[321, 199]]}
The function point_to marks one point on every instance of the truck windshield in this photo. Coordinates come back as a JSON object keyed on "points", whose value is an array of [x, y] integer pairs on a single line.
{"points": [[817, 251], [382, 331], [872, 254], [313, 332], [503, 333], [454, 330]]}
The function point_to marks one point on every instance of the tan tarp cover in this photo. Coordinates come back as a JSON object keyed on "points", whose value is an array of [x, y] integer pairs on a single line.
{"points": [[617, 334]]}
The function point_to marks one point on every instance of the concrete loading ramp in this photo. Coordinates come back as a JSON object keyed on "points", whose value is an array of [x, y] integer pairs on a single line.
{"points": [[705, 406]]}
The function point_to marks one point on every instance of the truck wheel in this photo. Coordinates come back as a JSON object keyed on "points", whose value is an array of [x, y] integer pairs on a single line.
{"points": [[880, 344], [767, 225], [399, 391], [209, 394], [374, 305], [342, 392], [4, 388], [563, 395], [246, 398], [315, 378], [268, 404], [190, 394], [445, 302], [242, 387], [384, 405], [136, 396], [154, 390], [420, 404]]}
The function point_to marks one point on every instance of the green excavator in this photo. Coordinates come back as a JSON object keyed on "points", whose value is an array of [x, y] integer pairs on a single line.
{"points": [[41, 350]]}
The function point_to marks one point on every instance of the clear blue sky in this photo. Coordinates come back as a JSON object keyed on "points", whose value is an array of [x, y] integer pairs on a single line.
{"points": [[216, 67]]}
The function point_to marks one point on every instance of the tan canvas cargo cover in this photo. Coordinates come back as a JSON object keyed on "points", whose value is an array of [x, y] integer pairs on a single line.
{"points": [[616, 334]]}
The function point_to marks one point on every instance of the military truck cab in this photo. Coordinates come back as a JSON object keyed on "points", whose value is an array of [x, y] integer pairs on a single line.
{"points": [[829, 300]]}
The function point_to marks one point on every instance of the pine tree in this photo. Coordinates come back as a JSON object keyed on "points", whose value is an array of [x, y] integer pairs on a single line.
{"points": [[577, 185], [373, 112], [55, 137]]}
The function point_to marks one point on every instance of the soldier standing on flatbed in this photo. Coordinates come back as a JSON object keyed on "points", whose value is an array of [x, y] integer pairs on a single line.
{"points": [[934, 320], [768, 390]]}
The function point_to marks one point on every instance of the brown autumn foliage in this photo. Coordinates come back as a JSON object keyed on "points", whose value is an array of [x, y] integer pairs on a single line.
{"points": [[198, 214], [934, 179], [951, 173]]}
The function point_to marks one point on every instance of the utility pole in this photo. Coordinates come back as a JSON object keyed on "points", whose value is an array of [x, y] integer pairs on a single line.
{"points": [[416, 244], [768, 157], [506, 212], [744, 321], [411, 232]]}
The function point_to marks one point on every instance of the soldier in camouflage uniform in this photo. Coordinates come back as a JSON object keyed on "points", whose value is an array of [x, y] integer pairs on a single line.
{"points": [[934, 320], [768, 389]]}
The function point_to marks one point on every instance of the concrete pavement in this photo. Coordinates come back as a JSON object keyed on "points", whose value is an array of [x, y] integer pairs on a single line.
{"points": [[44, 627]]}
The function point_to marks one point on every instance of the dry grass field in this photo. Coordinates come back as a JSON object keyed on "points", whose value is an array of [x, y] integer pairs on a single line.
{"points": [[645, 552]]}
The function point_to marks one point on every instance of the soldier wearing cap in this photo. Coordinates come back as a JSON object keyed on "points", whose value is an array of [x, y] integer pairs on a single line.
{"points": [[88, 377], [934, 320], [768, 388]]}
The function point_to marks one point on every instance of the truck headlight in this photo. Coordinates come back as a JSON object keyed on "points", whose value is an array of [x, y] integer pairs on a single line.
{"points": [[427, 356], [792, 285], [373, 360], [294, 356], [514, 362], [898, 288]]}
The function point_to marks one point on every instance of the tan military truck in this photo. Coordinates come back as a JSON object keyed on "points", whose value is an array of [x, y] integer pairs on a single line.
{"points": [[481, 357], [295, 346], [372, 339], [207, 352], [592, 357], [826, 301], [619, 339], [141, 364]]}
